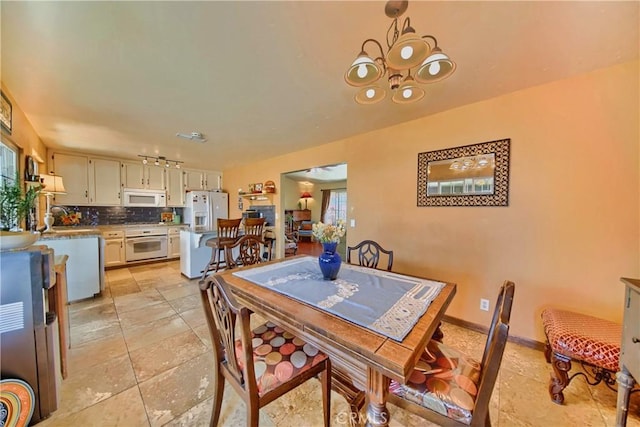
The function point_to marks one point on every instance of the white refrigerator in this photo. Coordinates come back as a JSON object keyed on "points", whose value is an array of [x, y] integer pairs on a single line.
{"points": [[203, 208], [201, 212]]}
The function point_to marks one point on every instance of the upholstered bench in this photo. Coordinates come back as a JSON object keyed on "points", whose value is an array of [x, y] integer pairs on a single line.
{"points": [[593, 342]]}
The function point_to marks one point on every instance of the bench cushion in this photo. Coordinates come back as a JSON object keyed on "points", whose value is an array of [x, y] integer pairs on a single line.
{"points": [[583, 337], [444, 380]]}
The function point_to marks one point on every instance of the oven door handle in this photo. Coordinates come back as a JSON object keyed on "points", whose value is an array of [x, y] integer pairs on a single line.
{"points": [[145, 239]]}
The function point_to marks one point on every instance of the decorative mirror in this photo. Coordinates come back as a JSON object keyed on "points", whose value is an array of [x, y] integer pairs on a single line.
{"points": [[472, 175]]}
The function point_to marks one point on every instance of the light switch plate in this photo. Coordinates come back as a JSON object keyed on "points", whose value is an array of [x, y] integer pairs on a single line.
{"points": [[353, 223]]}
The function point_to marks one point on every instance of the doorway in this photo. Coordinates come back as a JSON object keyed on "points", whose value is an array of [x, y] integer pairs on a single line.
{"points": [[307, 194]]}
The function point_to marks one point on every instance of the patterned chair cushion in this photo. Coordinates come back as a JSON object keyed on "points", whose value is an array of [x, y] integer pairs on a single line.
{"points": [[583, 337], [278, 356], [444, 380]]}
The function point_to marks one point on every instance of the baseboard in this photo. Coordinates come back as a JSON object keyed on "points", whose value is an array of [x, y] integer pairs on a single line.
{"points": [[526, 342]]}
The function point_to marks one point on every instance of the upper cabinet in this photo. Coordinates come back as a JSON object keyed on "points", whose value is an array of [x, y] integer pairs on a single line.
{"points": [[175, 187], [74, 171], [202, 180], [137, 175], [88, 180], [104, 182], [99, 181]]}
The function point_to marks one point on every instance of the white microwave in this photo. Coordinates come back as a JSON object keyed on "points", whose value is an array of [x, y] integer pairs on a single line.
{"points": [[144, 198]]}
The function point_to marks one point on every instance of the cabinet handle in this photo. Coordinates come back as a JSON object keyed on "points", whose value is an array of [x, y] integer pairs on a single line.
{"points": [[86, 193], [118, 194], [142, 181], [147, 181], [635, 340]]}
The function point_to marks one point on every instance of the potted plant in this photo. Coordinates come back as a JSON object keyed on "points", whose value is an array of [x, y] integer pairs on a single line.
{"points": [[16, 205]]}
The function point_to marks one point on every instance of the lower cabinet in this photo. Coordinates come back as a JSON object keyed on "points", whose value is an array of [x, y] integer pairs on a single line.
{"points": [[174, 242], [113, 248], [84, 271]]}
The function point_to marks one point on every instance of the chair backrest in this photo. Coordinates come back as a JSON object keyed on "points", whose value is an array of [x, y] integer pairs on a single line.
{"points": [[250, 248], [228, 228], [254, 226], [222, 311], [369, 254], [493, 351]]}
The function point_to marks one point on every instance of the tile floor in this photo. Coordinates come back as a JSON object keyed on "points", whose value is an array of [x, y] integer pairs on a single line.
{"points": [[141, 356]]}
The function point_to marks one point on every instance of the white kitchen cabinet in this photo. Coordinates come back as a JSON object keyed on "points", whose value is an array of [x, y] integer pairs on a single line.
{"points": [[113, 248], [139, 176], [202, 180], [193, 180], [88, 180], [175, 187], [75, 174], [174, 242], [104, 182], [84, 268], [212, 180]]}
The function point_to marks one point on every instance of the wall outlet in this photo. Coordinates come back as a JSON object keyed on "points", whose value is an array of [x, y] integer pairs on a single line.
{"points": [[484, 304], [353, 222]]}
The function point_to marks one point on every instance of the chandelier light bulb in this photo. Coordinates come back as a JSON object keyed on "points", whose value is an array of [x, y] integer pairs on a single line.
{"points": [[370, 93], [362, 71], [407, 92], [145, 161], [434, 68], [157, 162], [177, 165], [406, 52]]}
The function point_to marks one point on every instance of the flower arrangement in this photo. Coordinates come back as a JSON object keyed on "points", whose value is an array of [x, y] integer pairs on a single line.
{"points": [[328, 233], [70, 219]]}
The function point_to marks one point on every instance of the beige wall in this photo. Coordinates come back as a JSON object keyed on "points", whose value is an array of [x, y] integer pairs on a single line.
{"points": [[23, 135], [572, 227]]}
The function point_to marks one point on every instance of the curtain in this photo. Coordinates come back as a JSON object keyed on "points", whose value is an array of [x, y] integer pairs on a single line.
{"points": [[326, 198]]}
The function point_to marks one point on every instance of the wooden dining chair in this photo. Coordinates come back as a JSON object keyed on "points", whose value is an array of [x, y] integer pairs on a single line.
{"points": [[254, 226], [228, 230], [369, 254], [261, 365], [450, 388], [250, 250]]}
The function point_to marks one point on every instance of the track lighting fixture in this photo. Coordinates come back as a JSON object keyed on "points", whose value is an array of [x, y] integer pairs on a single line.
{"points": [[157, 160]]}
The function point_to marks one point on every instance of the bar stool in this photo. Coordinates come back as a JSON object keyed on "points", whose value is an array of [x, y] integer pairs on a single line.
{"points": [[227, 234], [254, 226]]}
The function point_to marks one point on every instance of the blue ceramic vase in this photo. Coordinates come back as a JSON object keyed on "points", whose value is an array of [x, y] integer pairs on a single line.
{"points": [[329, 261]]}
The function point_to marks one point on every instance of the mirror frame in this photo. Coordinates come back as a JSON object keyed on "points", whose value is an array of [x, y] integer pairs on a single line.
{"points": [[500, 196]]}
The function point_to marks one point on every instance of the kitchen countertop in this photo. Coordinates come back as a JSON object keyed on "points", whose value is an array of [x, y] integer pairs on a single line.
{"points": [[74, 232]]}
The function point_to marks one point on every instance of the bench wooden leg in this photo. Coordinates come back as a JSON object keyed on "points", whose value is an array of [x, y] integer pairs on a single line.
{"points": [[559, 378]]}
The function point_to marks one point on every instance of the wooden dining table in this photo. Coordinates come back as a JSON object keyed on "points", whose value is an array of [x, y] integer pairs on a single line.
{"points": [[364, 359]]}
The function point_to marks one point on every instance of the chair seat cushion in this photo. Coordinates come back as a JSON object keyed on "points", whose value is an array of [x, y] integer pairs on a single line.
{"points": [[583, 337], [278, 356], [444, 380]]}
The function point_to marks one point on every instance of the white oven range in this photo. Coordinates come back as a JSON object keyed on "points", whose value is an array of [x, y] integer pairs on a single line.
{"points": [[145, 243]]}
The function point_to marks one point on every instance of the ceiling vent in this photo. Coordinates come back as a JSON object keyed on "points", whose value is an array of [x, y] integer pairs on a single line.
{"points": [[193, 136]]}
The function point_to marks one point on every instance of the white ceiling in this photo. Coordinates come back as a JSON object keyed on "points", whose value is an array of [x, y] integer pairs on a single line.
{"points": [[264, 78]]}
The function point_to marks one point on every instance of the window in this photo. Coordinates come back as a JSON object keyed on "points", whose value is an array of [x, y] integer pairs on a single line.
{"points": [[337, 209], [8, 162]]}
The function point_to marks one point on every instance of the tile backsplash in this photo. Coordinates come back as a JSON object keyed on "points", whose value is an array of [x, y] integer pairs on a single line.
{"points": [[107, 215]]}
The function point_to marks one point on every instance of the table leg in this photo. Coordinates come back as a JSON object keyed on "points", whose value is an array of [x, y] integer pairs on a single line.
{"points": [[377, 391], [625, 383]]}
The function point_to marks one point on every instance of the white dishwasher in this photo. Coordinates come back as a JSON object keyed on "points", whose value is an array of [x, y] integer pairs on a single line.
{"points": [[84, 269]]}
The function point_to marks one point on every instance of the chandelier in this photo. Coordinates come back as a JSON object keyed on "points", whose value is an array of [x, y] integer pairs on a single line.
{"points": [[410, 59]]}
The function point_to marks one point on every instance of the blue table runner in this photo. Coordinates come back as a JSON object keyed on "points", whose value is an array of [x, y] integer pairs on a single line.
{"points": [[384, 302]]}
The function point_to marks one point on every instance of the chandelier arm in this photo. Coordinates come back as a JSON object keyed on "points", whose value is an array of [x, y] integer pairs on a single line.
{"points": [[406, 23], [394, 27], [435, 42], [377, 43]]}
